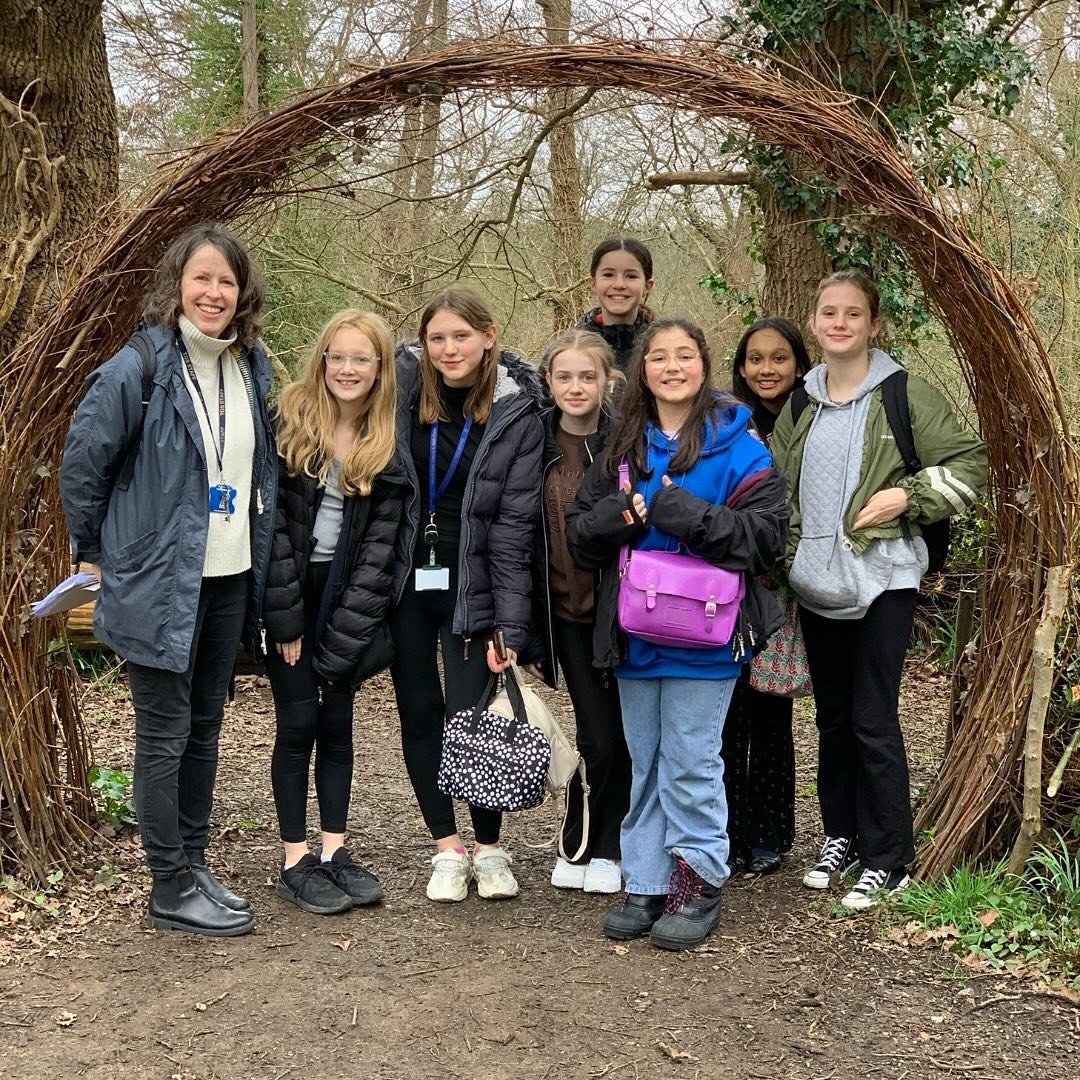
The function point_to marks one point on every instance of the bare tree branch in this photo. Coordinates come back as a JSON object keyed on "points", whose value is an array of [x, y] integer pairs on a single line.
{"points": [[702, 178]]}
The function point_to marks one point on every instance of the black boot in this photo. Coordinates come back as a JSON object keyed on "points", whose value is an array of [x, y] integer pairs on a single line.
{"points": [[691, 913], [211, 886], [633, 917], [177, 903]]}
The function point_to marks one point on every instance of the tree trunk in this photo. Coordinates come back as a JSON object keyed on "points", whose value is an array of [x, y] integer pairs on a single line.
{"points": [[52, 59], [570, 299], [249, 53]]}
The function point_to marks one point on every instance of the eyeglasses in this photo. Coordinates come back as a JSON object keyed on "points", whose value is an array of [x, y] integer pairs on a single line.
{"points": [[683, 359], [361, 363]]}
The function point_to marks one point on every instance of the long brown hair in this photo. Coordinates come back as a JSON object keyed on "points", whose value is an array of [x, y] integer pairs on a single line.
{"points": [[466, 304], [309, 412], [638, 405]]}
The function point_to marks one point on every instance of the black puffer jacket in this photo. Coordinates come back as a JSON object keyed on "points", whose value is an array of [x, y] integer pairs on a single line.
{"points": [[353, 641], [620, 336], [501, 503]]}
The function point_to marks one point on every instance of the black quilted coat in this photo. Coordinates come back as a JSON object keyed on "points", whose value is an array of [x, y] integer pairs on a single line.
{"points": [[501, 504], [353, 642]]}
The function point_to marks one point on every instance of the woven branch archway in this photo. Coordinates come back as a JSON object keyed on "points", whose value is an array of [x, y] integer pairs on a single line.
{"points": [[1033, 462]]}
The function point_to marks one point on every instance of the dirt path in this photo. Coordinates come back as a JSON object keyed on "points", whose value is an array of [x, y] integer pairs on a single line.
{"points": [[526, 988]]}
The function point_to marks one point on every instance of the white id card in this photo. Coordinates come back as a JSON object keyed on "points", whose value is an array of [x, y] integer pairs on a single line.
{"points": [[432, 578]]}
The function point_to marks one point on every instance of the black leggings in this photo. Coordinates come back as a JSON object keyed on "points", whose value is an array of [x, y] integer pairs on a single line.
{"points": [[418, 624], [310, 715]]}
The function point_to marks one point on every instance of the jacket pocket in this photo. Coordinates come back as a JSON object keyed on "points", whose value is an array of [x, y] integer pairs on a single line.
{"points": [[133, 556]]}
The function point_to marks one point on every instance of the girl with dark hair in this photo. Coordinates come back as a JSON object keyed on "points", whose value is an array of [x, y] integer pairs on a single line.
{"points": [[855, 556], [470, 435], [620, 276], [173, 501], [341, 499], [580, 372], [759, 752], [697, 480]]}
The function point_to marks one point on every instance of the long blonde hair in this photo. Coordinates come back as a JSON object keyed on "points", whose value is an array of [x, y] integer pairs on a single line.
{"points": [[309, 412], [466, 304]]}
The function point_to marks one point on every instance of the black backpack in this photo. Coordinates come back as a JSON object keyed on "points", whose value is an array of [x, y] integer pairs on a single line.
{"points": [[894, 398], [147, 369]]}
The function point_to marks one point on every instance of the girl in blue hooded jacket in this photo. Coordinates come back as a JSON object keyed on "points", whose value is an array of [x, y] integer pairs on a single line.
{"points": [[701, 480]]}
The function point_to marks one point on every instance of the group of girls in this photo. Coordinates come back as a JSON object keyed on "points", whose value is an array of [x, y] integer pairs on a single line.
{"points": [[437, 501]]}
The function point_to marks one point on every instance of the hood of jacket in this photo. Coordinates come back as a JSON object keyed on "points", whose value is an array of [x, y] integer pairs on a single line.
{"points": [[594, 443], [726, 423], [882, 365]]}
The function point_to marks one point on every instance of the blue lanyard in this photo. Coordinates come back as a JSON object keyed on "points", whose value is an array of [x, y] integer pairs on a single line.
{"points": [[436, 493]]}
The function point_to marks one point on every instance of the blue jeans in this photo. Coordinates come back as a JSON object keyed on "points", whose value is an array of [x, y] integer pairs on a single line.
{"points": [[678, 808]]}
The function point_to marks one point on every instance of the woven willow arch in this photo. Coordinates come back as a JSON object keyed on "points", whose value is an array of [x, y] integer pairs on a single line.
{"points": [[1034, 464]]}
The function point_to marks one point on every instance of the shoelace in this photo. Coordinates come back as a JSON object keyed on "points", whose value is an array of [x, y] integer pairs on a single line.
{"points": [[685, 886], [832, 854], [871, 879]]}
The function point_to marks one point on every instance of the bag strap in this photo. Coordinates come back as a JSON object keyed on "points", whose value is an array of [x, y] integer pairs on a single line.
{"points": [[898, 412], [624, 478], [799, 400], [486, 697], [584, 816], [142, 344]]}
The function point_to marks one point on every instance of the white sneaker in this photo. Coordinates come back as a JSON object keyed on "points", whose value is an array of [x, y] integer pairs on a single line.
{"points": [[875, 886], [450, 878], [491, 865], [603, 876], [568, 875]]}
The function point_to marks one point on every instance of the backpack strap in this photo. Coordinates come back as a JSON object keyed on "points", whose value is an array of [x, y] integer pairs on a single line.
{"points": [[142, 344], [897, 411], [799, 400]]}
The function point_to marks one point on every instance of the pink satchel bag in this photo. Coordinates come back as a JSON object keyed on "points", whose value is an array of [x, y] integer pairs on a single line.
{"points": [[675, 598]]}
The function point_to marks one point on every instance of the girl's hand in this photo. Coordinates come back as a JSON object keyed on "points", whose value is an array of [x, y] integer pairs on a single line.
{"points": [[289, 650], [638, 501], [535, 670], [496, 665], [882, 506]]}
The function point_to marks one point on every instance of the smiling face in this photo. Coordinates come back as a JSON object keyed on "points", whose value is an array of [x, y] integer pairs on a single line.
{"points": [[842, 323], [673, 372], [209, 291], [769, 368], [577, 384], [456, 348], [620, 286], [351, 363]]}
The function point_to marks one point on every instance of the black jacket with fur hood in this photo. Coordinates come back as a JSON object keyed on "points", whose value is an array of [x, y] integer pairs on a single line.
{"points": [[501, 504]]}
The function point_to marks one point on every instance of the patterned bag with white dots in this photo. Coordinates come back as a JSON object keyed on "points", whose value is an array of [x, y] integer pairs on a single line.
{"points": [[494, 761]]}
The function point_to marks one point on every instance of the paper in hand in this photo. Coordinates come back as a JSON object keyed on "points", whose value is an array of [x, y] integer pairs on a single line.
{"points": [[77, 590]]}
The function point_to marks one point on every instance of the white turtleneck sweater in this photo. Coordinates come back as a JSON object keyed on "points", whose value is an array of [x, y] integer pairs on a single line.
{"points": [[228, 543]]}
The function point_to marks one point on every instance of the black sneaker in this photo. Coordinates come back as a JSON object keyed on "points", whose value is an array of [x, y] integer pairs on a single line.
{"points": [[691, 912], [359, 884], [874, 886], [310, 887], [634, 916], [838, 855]]}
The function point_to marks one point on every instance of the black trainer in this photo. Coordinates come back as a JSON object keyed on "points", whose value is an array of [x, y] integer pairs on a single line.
{"points": [[838, 855], [310, 887], [634, 916], [691, 912], [213, 888], [360, 884], [874, 886], [177, 903]]}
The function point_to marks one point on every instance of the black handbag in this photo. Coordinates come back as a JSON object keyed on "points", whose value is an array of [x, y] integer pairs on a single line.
{"points": [[493, 761]]}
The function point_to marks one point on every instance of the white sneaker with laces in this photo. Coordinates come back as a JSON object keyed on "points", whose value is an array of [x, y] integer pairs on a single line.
{"points": [[603, 876], [450, 877], [491, 865], [874, 886], [568, 875], [838, 855]]}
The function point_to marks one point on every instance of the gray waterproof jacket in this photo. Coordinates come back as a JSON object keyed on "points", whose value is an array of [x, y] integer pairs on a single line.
{"points": [[150, 540]]}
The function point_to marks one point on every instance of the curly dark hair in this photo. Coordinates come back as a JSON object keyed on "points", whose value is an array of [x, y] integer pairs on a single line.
{"points": [[161, 304], [790, 333]]}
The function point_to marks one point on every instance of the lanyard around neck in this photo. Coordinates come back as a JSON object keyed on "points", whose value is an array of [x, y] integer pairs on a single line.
{"points": [[435, 493], [219, 446]]}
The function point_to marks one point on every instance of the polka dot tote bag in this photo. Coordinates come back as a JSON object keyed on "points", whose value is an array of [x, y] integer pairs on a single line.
{"points": [[491, 760]]}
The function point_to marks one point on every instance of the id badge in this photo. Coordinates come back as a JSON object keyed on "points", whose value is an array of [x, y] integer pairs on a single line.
{"points": [[222, 499], [432, 578]]}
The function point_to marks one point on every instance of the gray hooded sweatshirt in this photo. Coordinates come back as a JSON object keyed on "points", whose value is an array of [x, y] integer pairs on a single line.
{"points": [[829, 578]]}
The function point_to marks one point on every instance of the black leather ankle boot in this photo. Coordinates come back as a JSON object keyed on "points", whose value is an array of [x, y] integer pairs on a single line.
{"points": [[177, 903], [211, 886]]}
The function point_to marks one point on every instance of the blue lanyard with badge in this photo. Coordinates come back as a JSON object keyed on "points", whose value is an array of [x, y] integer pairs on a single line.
{"points": [[434, 577], [222, 495]]}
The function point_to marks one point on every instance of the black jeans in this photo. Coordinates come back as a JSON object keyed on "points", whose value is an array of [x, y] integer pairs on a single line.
{"points": [[759, 770], [310, 716], [418, 624], [177, 723], [600, 740], [863, 782]]}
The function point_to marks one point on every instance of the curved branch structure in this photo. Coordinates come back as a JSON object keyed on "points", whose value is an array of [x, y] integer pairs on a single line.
{"points": [[1034, 464]]}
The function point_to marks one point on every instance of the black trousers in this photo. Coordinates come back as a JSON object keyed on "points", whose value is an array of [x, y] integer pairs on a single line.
{"points": [[310, 716], [177, 724], [759, 770], [863, 782], [601, 743], [418, 625]]}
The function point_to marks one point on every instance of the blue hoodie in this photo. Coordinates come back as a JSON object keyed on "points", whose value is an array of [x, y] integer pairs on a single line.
{"points": [[729, 453]]}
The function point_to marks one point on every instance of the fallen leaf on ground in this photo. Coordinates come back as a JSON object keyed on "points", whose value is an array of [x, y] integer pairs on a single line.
{"points": [[674, 1053], [66, 1019], [344, 946]]}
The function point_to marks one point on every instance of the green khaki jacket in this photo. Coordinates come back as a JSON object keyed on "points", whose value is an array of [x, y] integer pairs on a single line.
{"points": [[953, 477]]}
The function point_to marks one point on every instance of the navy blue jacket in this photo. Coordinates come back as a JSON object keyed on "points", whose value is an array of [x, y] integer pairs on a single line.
{"points": [[150, 539]]}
